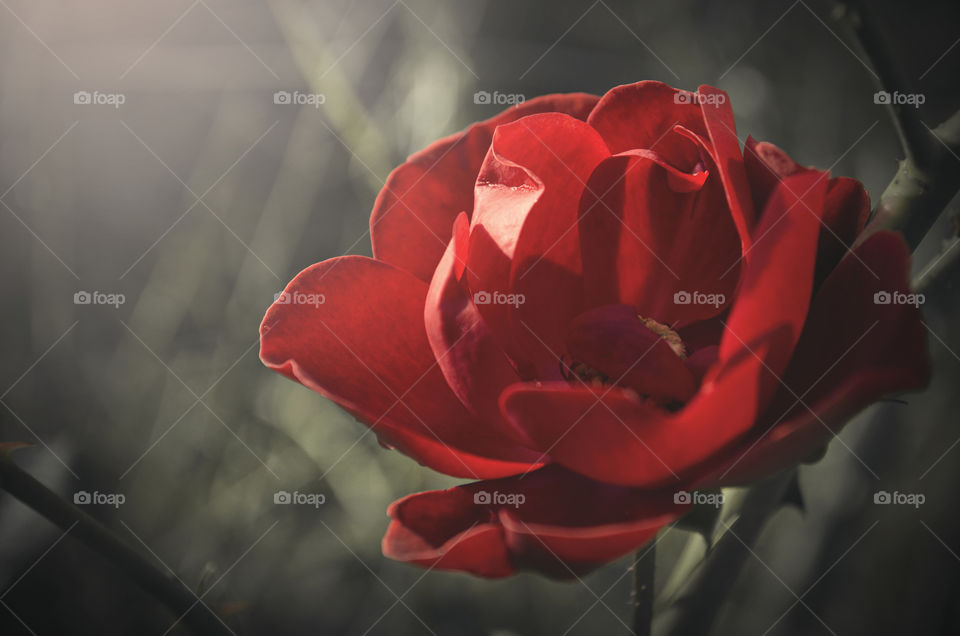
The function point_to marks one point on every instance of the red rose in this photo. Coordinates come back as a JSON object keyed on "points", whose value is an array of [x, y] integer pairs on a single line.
{"points": [[591, 304]]}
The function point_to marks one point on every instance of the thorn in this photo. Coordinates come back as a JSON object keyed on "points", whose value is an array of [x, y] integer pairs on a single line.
{"points": [[793, 495]]}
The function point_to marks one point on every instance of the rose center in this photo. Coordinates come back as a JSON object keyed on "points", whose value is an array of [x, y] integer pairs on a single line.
{"points": [[669, 335], [575, 371]]}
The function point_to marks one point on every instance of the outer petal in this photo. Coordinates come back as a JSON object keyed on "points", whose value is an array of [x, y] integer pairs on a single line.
{"points": [[766, 166], [718, 117], [365, 347], [846, 207], [643, 116], [473, 363], [413, 214], [777, 280], [853, 351], [614, 437], [845, 214], [526, 199], [566, 525]]}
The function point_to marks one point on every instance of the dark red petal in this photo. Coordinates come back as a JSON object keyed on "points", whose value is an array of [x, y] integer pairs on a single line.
{"points": [[702, 360], [413, 214], [526, 199], [643, 116], [845, 214], [473, 363], [766, 166], [611, 339], [565, 526], [725, 146], [651, 235], [613, 437], [853, 351], [365, 348], [777, 281], [846, 208]]}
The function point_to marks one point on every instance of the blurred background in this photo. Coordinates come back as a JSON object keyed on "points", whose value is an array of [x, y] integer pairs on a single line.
{"points": [[186, 197]]}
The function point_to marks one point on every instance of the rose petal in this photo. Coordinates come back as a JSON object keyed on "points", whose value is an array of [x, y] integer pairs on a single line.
{"points": [[643, 116], [473, 363], [853, 351], [725, 148], [411, 219], [365, 347], [845, 214], [565, 526], [526, 199], [613, 437], [777, 280], [766, 166], [610, 435], [641, 220], [611, 339]]}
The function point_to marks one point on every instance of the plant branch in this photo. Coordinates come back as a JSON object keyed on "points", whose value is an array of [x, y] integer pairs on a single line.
{"points": [[702, 595], [862, 29], [944, 265], [929, 174], [644, 568], [916, 197], [179, 599]]}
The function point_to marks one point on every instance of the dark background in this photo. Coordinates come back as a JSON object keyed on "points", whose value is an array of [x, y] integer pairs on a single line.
{"points": [[163, 399]]}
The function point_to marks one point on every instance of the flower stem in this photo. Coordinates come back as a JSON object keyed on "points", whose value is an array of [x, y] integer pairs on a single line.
{"points": [[917, 196], [644, 568], [701, 597], [918, 144], [929, 175], [179, 599]]}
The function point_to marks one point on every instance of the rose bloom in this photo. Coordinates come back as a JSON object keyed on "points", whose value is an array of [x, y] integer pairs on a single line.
{"points": [[589, 306]]}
